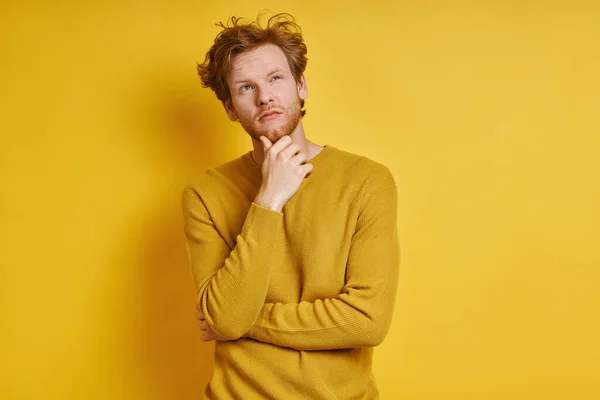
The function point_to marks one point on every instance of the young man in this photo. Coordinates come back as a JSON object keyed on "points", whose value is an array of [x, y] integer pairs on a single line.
{"points": [[293, 246]]}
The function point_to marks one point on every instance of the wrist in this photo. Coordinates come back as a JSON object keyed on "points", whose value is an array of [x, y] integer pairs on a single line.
{"points": [[265, 200]]}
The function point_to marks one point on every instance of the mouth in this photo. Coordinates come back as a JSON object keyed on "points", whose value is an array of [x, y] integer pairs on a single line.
{"points": [[269, 115]]}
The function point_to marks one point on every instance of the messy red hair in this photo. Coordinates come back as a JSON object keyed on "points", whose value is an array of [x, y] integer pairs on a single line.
{"points": [[239, 36]]}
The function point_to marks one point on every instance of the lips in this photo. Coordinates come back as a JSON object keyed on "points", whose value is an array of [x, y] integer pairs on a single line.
{"points": [[269, 114]]}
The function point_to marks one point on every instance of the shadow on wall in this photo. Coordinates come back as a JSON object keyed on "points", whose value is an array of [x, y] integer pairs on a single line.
{"points": [[177, 360]]}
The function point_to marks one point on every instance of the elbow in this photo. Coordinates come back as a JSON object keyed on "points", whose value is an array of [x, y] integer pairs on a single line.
{"points": [[226, 325], [228, 328], [228, 331], [375, 332], [227, 320], [373, 339]]}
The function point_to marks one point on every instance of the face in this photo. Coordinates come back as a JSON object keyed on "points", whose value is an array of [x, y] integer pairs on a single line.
{"points": [[265, 98]]}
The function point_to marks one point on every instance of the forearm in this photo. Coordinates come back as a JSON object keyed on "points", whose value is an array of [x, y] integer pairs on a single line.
{"points": [[361, 314], [231, 284], [352, 319], [231, 299]]}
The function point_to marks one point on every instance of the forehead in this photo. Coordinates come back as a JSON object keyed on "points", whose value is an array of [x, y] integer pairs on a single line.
{"points": [[258, 62]]}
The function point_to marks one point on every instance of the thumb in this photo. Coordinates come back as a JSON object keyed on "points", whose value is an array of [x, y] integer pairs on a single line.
{"points": [[266, 142]]}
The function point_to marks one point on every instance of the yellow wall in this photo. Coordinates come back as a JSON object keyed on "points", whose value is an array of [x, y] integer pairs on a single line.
{"points": [[488, 116]]}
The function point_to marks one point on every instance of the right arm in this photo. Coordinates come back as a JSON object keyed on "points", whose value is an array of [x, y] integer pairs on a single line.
{"points": [[232, 284]]}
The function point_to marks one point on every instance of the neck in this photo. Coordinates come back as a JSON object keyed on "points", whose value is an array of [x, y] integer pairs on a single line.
{"points": [[306, 146]]}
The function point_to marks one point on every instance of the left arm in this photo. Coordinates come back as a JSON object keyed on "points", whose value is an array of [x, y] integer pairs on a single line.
{"points": [[361, 314]]}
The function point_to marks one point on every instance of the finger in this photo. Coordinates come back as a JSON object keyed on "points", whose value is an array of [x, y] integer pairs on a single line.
{"points": [[207, 336], [307, 169], [280, 145], [289, 151], [298, 159], [266, 143]]}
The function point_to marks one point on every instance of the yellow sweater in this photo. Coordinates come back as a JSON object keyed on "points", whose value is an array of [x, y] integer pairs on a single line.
{"points": [[306, 292]]}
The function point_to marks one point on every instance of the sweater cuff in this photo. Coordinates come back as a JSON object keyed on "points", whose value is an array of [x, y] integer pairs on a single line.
{"points": [[268, 220], [258, 331]]}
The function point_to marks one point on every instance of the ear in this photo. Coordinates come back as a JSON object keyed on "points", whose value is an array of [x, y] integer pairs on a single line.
{"points": [[229, 110], [302, 88]]}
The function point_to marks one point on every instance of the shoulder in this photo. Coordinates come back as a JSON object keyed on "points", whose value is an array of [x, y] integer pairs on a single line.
{"points": [[213, 179], [362, 170]]}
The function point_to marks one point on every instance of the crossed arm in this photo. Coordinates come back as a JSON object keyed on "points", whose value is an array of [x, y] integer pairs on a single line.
{"points": [[359, 316]]}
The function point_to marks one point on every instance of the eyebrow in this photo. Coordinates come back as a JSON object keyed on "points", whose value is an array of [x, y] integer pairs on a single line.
{"points": [[276, 71]]}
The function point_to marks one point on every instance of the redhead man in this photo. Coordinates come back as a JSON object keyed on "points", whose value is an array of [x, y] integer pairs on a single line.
{"points": [[293, 246]]}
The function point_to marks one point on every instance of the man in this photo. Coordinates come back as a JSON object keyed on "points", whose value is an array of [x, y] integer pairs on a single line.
{"points": [[293, 246]]}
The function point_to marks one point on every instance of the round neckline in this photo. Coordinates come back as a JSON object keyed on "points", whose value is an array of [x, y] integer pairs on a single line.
{"points": [[318, 159]]}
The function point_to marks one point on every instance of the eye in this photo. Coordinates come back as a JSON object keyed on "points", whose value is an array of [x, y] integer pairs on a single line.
{"points": [[276, 77], [245, 88]]}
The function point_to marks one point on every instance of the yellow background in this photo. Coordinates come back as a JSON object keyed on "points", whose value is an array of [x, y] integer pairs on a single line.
{"points": [[487, 113]]}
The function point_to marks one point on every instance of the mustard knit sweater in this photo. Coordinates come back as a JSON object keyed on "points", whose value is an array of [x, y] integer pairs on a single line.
{"points": [[305, 293]]}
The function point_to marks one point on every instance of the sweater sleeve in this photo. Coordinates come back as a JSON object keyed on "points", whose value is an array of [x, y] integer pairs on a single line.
{"points": [[231, 284], [361, 314]]}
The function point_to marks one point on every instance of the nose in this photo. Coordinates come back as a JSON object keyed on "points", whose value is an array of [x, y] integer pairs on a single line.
{"points": [[265, 96]]}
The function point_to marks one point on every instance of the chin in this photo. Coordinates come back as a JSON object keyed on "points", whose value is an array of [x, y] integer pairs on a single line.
{"points": [[271, 135], [274, 133]]}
